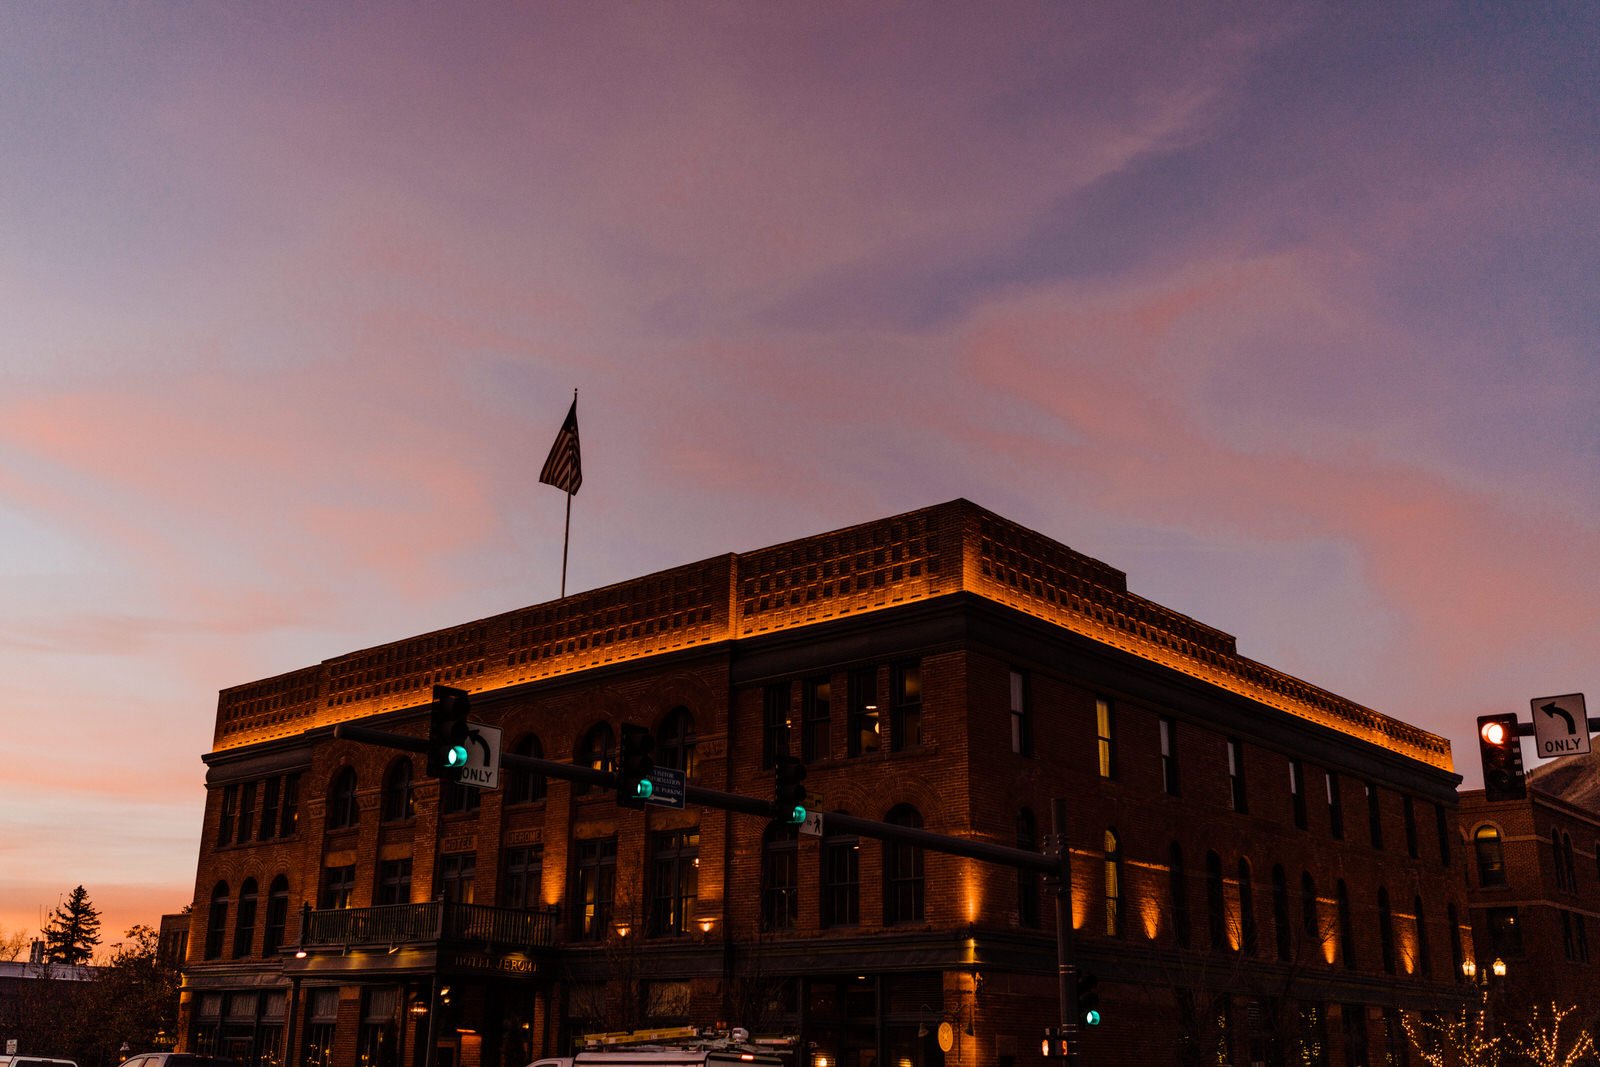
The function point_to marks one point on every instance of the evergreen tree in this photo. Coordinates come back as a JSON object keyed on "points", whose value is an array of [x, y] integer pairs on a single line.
{"points": [[74, 930]]}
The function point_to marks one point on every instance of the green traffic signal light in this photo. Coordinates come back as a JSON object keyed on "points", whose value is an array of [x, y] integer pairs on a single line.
{"points": [[644, 789], [797, 815], [456, 757], [1091, 1018]]}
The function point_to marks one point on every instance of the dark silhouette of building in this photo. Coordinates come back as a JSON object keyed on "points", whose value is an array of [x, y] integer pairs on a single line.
{"points": [[1262, 870]]}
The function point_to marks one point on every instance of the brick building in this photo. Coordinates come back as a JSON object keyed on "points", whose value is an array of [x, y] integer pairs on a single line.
{"points": [[1262, 870], [1534, 892]]}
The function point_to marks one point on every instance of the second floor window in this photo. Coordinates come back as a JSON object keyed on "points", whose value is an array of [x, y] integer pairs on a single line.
{"points": [[1169, 757], [1297, 792], [675, 745], [594, 875], [1335, 808], [524, 877], [902, 872], [458, 876], [1021, 718], [343, 811], [1105, 738], [338, 887], [865, 726], [1236, 793], [1374, 815], [399, 799], [394, 881], [780, 878], [815, 710], [1112, 864], [526, 787], [840, 883], [1408, 809], [905, 727], [774, 723], [596, 752], [217, 922], [277, 916], [674, 880], [244, 930]]}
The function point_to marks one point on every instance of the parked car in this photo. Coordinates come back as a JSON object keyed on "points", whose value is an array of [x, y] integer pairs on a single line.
{"points": [[35, 1061], [173, 1059]]}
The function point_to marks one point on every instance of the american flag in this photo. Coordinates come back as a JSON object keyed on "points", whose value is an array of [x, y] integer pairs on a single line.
{"points": [[562, 468]]}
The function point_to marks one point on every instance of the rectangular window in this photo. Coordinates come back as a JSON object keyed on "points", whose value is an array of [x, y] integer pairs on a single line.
{"points": [[338, 884], [269, 809], [375, 1040], [247, 812], [1236, 775], [1297, 792], [841, 881], [230, 810], [774, 723], [1169, 757], [594, 876], [815, 708], [289, 815], [905, 725], [1335, 807], [524, 877], [394, 881], [1505, 933], [1021, 720], [1409, 808], [1374, 815], [1105, 737], [458, 871], [865, 727], [674, 881], [780, 880]]}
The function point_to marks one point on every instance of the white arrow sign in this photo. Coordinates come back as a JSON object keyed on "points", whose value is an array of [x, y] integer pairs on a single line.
{"points": [[1560, 725]]}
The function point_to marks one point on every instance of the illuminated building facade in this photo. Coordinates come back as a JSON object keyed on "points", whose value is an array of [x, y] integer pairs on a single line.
{"points": [[1261, 869], [1534, 894]]}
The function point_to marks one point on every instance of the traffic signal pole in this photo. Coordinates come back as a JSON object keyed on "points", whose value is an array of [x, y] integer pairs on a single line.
{"points": [[1055, 864]]}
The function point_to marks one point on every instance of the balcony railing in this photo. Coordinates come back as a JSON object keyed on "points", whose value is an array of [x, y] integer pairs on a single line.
{"points": [[436, 921]]}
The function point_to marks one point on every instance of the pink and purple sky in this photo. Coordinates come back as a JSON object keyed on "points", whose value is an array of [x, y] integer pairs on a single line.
{"points": [[1289, 311]]}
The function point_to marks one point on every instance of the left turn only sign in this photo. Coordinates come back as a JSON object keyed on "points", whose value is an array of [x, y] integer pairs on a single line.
{"points": [[483, 757], [1560, 725]]}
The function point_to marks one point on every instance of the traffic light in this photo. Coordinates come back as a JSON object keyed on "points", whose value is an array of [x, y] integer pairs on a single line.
{"points": [[790, 793], [1089, 998], [447, 732], [1501, 751], [635, 763]]}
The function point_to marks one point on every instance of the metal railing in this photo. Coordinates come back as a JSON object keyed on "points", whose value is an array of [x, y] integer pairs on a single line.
{"points": [[435, 921]]}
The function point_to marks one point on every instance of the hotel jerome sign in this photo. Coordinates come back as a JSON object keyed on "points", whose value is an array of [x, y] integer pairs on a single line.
{"points": [[512, 965]]}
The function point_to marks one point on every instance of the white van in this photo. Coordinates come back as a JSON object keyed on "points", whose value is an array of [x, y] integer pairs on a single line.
{"points": [[35, 1061]]}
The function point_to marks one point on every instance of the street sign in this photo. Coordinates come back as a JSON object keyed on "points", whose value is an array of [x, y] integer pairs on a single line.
{"points": [[668, 783], [1560, 725], [483, 757], [812, 827]]}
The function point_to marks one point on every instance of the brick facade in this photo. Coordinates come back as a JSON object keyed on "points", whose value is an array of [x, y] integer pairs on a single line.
{"points": [[890, 654]]}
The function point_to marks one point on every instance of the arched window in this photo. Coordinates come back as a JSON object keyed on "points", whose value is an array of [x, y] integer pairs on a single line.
{"points": [[1386, 930], [1347, 930], [277, 915], [244, 928], [902, 871], [676, 741], [597, 751], [1280, 911], [399, 799], [1178, 890], [1249, 936], [217, 921], [1424, 962], [1491, 856], [526, 787], [1027, 881], [1216, 904], [780, 877], [1113, 880], [342, 808]]}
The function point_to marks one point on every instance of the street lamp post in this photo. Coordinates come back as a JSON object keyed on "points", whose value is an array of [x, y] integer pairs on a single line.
{"points": [[1484, 979]]}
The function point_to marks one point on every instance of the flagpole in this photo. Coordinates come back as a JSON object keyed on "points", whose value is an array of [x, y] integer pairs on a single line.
{"points": [[566, 533]]}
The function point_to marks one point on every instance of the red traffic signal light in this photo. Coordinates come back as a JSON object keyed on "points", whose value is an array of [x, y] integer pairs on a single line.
{"points": [[1500, 749]]}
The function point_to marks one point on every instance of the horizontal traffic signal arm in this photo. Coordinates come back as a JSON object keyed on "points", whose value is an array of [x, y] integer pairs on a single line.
{"points": [[715, 798]]}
